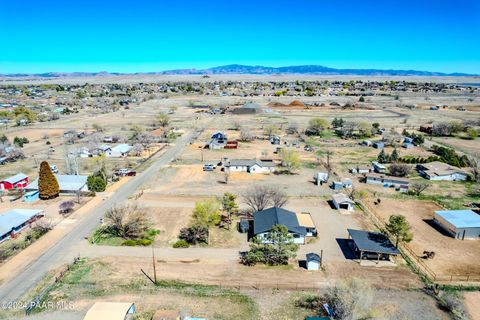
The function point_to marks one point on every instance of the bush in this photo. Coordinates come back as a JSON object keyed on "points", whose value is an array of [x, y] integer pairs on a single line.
{"points": [[194, 234], [129, 243], [48, 143], [96, 183], [144, 242], [181, 244]]}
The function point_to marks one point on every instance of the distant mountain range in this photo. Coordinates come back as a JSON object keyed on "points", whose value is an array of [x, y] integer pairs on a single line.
{"points": [[258, 70]]}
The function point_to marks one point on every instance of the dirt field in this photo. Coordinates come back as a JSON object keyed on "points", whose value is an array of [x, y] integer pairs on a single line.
{"points": [[472, 304], [452, 257]]}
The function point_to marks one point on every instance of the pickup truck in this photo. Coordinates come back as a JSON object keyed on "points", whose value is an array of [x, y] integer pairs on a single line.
{"points": [[209, 167]]}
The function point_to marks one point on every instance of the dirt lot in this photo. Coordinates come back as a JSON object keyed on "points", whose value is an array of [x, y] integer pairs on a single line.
{"points": [[452, 257]]}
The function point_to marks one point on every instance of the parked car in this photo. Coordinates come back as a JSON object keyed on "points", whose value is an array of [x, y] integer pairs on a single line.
{"points": [[209, 167], [54, 168], [125, 172], [374, 256]]}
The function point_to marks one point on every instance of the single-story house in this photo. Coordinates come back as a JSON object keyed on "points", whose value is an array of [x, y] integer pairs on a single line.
{"points": [[264, 220], [104, 148], [17, 181], [441, 171], [313, 261], [67, 183], [378, 167], [111, 311], [387, 181], [119, 151], [13, 221], [372, 245], [461, 224], [215, 144], [250, 166], [341, 201]]}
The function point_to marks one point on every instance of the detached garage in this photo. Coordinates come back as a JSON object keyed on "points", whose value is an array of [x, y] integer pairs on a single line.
{"points": [[461, 224]]}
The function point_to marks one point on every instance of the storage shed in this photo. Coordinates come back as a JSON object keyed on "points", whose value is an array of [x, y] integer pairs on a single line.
{"points": [[313, 261], [461, 224]]}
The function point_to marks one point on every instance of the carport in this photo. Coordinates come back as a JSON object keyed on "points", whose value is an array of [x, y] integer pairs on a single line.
{"points": [[368, 244]]}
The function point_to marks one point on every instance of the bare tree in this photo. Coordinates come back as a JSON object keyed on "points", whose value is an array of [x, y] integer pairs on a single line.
{"points": [[399, 169], [351, 299], [261, 197], [128, 222], [418, 187], [475, 166], [246, 135]]}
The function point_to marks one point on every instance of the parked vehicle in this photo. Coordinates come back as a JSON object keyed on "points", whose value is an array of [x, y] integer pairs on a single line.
{"points": [[54, 168], [374, 256], [125, 172], [209, 167]]}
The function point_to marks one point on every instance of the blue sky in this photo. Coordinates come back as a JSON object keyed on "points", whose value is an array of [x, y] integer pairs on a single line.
{"points": [[141, 35]]}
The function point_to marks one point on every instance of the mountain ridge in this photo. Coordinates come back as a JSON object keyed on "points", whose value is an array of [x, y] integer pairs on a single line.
{"points": [[254, 70]]}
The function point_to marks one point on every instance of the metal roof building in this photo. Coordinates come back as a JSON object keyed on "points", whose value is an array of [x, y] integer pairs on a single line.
{"points": [[372, 242], [461, 224], [13, 221], [66, 183], [111, 311]]}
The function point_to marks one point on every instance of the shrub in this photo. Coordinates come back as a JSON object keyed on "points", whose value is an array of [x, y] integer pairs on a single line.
{"points": [[48, 143], [181, 244], [96, 183], [129, 243], [194, 234], [144, 242]]}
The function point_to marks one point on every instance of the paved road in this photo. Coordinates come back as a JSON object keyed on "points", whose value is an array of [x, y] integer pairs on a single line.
{"points": [[64, 250]]}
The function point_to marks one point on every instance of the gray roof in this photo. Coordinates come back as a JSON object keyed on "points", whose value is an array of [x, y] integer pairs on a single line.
{"points": [[65, 182], [14, 218], [372, 242], [313, 257], [249, 163], [342, 198], [460, 218], [16, 178], [264, 220]]}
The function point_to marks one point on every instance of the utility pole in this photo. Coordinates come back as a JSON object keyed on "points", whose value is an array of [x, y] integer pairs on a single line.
{"points": [[154, 267]]}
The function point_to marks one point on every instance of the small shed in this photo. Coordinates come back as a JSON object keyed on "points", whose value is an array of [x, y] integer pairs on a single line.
{"points": [[347, 183], [341, 201], [461, 224], [372, 245], [314, 261], [378, 145], [337, 185], [320, 178]]}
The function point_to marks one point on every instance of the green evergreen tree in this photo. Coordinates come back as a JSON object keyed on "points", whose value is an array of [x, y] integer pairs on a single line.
{"points": [[394, 156], [47, 183], [383, 157]]}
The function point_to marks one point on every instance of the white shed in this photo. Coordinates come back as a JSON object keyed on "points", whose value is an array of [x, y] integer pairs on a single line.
{"points": [[313, 261]]}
